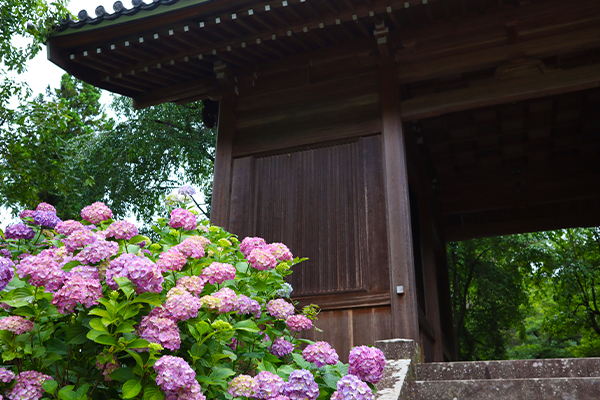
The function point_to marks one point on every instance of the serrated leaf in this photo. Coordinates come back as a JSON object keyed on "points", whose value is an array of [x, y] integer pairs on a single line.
{"points": [[122, 374], [136, 357], [138, 344], [106, 340], [221, 374], [149, 298], [331, 380], [99, 312], [131, 388], [70, 265], [126, 326], [284, 371], [50, 386], [152, 392], [19, 297], [24, 312], [76, 334], [96, 323], [302, 363]]}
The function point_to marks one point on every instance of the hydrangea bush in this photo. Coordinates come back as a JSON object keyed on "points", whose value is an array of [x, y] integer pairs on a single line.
{"points": [[92, 310]]}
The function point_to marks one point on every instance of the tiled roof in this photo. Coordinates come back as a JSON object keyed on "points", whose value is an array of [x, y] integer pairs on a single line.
{"points": [[118, 10]]}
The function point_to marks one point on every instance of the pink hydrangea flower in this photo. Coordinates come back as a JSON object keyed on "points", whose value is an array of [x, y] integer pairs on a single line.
{"points": [[6, 375], [280, 309], [171, 260], [242, 386], [117, 268], [181, 304], [28, 386], [192, 392], [42, 270], [145, 275], [193, 247], [298, 323], [367, 363], [77, 290], [218, 273], [156, 328], [78, 239], [351, 387], [320, 353], [68, 227], [280, 251], [96, 213], [228, 299], [301, 385], [211, 303], [262, 259], [182, 218], [99, 250], [45, 207], [108, 367], [251, 243], [15, 324], [193, 284], [245, 305], [173, 373], [121, 230], [26, 214], [269, 385]]}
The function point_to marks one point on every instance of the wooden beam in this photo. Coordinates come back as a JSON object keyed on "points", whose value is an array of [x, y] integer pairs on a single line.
{"points": [[405, 317], [501, 92], [172, 93], [472, 61]]}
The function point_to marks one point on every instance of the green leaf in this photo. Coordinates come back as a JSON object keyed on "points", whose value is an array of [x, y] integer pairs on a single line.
{"points": [[99, 312], [302, 363], [242, 267], [133, 249], [70, 265], [246, 325], [331, 380], [260, 286], [106, 340], [136, 357], [221, 374], [24, 312], [284, 371], [138, 344], [93, 334], [126, 326], [97, 324], [202, 327], [50, 386], [125, 285], [149, 298], [19, 297], [122, 374], [152, 392], [66, 393], [137, 239], [131, 388]]}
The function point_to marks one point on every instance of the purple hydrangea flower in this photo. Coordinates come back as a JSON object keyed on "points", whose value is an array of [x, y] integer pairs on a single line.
{"points": [[79, 239], [7, 272], [77, 290], [45, 207], [245, 305], [251, 243], [285, 290], [85, 272], [187, 190], [68, 227], [28, 386], [280, 309], [367, 363], [96, 213], [280, 251], [118, 268], [145, 275], [42, 270], [99, 250], [281, 347], [269, 385], [181, 304], [121, 230], [181, 218], [193, 247], [242, 386], [6, 375], [26, 214], [192, 392], [298, 323], [156, 328], [19, 231], [228, 299], [301, 385], [16, 324], [351, 387], [262, 259], [218, 273], [108, 367], [280, 397], [320, 353], [5, 253], [173, 373], [171, 260], [45, 218], [193, 284]]}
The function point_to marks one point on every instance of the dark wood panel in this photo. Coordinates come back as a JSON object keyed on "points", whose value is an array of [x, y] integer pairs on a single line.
{"points": [[241, 219]]}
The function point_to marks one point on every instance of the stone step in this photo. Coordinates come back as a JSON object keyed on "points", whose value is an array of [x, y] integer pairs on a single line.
{"points": [[511, 369], [501, 389]]}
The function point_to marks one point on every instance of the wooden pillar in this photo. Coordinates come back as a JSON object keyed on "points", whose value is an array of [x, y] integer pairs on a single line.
{"points": [[405, 316], [221, 198]]}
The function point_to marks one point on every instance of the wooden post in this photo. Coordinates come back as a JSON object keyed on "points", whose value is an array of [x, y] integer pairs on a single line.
{"points": [[221, 198], [405, 317]]}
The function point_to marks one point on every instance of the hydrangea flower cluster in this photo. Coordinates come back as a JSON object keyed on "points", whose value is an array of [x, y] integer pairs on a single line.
{"points": [[285, 290], [173, 373], [99, 250], [78, 239], [45, 218], [242, 386], [108, 367], [218, 273], [281, 347], [351, 387], [320, 353], [68, 227], [15, 324], [280, 251], [19, 231], [171, 260], [42, 270], [174, 200], [6, 375], [211, 303], [7, 272], [156, 328], [301, 385], [251, 243], [96, 213], [142, 272], [367, 363], [193, 247], [298, 323], [245, 305], [45, 207], [227, 298], [26, 214], [186, 190], [268, 385], [193, 284], [192, 392], [181, 304], [262, 259], [121, 230], [77, 290], [280, 309], [28, 386], [182, 218]]}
